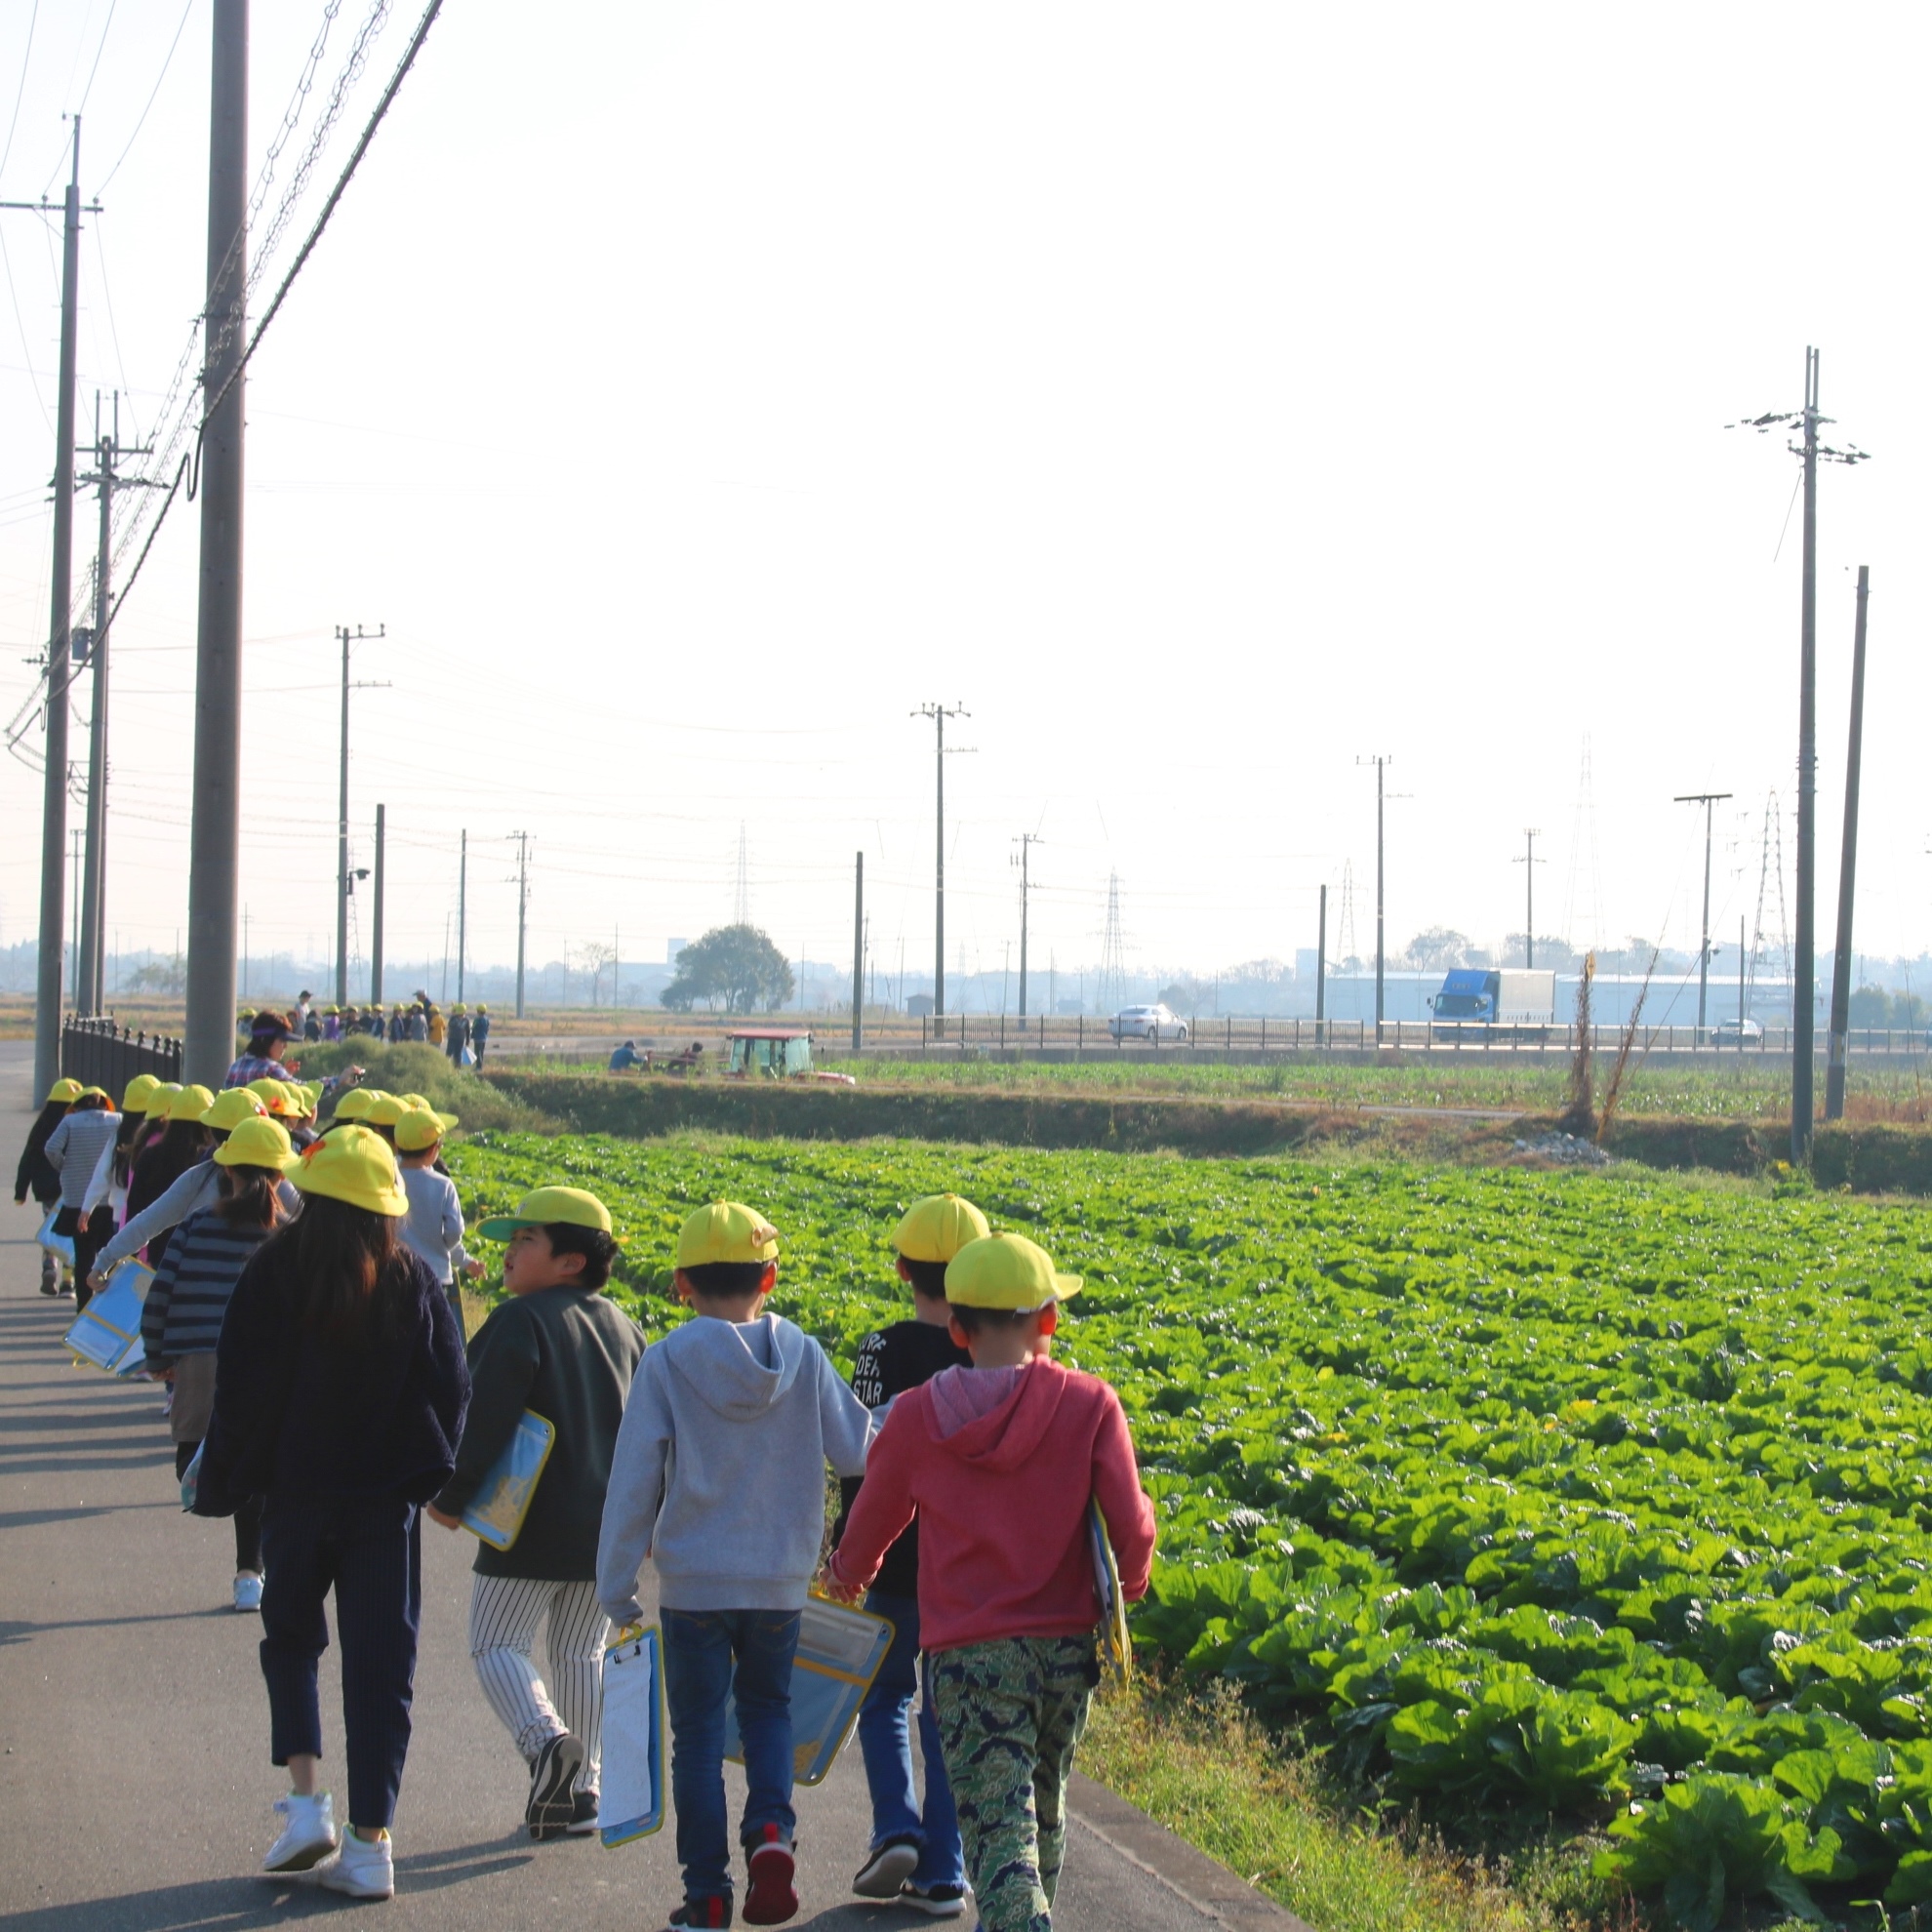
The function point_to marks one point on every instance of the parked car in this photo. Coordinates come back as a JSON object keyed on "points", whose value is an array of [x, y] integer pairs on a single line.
{"points": [[1736, 1032], [1147, 1022]]}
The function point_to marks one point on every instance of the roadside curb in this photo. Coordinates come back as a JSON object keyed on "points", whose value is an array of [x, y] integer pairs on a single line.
{"points": [[1219, 1895]]}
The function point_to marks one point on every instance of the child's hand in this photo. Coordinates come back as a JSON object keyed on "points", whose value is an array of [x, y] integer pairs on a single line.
{"points": [[473, 1269], [829, 1586], [436, 1516]]}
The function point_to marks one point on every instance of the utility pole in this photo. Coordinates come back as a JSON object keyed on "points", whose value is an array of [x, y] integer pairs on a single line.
{"points": [[1026, 842], [214, 832], [1529, 861], [463, 909], [54, 810], [858, 951], [1321, 968], [346, 637], [74, 854], [1841, 958], [376, 919], [1807, 421], [1380, 762], [1707, 799], [522, 908], [939, 713]]}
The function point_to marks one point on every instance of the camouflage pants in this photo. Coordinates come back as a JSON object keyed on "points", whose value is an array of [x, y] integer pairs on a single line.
{"points": [[1010, 1713]]}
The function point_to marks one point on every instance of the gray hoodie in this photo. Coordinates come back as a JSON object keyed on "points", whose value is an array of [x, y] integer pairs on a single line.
{"points": [[719, 1476]]}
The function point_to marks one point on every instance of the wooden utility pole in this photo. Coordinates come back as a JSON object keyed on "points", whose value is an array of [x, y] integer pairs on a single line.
{"points": [[1707, 799], [1842, 957], [1529, 861]]}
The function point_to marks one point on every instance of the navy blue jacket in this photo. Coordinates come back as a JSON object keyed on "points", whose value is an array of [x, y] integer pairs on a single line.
{"points": [[298, 1416]]}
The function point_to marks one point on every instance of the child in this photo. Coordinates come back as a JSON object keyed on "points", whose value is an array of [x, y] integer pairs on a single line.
{"points": [[719, 1479], [434, 1226], [73, 1151], [915, 1854], [1000, 1460], [559, 1348], [36, 1173]]}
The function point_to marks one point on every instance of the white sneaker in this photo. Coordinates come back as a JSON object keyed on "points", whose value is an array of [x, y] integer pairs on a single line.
{"points": [[309, 1832], [247, 1591], [365, 1870]]}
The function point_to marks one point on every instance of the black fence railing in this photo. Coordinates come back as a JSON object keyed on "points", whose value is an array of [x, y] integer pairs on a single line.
{"points": [[100, 1054]]}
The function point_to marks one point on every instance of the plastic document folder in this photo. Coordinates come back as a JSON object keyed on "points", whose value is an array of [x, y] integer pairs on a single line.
{"points": [[60, 1246], [840, 1654], [1117, 1652], [496, 1511], [108, 1329], [631, 1802]]}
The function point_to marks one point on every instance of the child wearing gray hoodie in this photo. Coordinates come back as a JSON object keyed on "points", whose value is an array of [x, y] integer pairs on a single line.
{"points": [[719, 1479]]}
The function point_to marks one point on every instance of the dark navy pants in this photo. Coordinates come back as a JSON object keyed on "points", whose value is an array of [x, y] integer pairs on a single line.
{"points": [[369, 1550]]}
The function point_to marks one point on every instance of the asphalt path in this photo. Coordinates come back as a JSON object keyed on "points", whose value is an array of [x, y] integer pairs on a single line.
{"points": [[134, 1782]]}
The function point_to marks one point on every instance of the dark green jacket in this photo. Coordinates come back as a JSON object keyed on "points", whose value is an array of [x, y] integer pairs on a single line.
{"points": [[569, 1354]]}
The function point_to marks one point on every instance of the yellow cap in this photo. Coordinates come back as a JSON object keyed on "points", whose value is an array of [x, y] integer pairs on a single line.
{"points": [[67, 1091], [272, 1094], [935, 1229], [190, 1104], [1006, 1271], [726, 1232], [162, 1097], [352, 1165], [97, 1093], [356, 1103], [385, 1109], [429, 1107], [419, 1128], [258, 1142], [134, 1098], [311, 1094], [570, 1205], [231, 1108]]}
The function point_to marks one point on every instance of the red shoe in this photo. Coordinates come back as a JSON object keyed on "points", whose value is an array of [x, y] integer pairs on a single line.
{"points": [[772, 1898]]}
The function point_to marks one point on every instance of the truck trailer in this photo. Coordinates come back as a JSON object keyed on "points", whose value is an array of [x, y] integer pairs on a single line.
{"points": [[1474, 996]]}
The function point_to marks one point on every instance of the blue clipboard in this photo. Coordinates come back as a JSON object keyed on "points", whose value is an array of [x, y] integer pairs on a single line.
{"points": [[107, 1331], [1116, 1651], [496, 1511], [631, 1801], [839, 1653]]}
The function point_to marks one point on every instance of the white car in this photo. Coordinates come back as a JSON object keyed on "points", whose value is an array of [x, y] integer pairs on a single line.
{"points": [[1736, 1032], [1147, 1022]]}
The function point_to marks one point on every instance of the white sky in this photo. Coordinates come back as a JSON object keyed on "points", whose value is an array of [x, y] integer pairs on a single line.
{"points": [[1206, 397]]}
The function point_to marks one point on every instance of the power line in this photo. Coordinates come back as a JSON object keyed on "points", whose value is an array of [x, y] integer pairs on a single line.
{"points": [[167, 61], [81, 105], [26, 60]]}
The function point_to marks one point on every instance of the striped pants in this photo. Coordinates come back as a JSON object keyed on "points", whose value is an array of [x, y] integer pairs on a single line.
{"points": [[503, 1615]]}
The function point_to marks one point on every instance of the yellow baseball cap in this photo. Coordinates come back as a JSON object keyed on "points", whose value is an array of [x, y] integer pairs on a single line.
{"points": [[231, 1108], [258, 1142], [97, 1093], [726, 1232], [272, 1094], [385, 1109], [570, 1205], [429, 1107], [134, 1097], [1006, 1271], [190, 1104], [311, 1094], [353, 1165], [935, 1229], [65, 1091], [162, 1097], [356, 1103], [420, 1127]]}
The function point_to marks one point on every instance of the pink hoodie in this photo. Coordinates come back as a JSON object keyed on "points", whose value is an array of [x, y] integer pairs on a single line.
{"points": [[999, 1464]]}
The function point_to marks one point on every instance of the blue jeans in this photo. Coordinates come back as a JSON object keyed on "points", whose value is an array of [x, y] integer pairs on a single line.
{"points": [[710, 1655], [885, 1741]]}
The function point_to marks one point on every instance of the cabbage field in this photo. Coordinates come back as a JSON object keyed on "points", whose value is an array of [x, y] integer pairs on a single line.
{"points": [[1597, 1495]]}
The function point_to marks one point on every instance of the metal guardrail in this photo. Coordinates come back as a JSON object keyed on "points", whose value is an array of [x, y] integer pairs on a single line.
{"points": [[101, 1054]]}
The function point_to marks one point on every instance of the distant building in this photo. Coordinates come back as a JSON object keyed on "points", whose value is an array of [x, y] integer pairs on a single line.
{"points": [[921, 1006]]}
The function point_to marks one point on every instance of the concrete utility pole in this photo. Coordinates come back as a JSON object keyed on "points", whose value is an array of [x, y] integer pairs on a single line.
{"points": [[1381, 763], [858, 951], [1026, 842], [54, 810], [1529, 861], [215, 835], [1707, 799], [93, 942], [522, 908], [1321, 967], [939, 713], [375, 918], [346, 637], [1841, 958], [74, 854], [463, 909]]}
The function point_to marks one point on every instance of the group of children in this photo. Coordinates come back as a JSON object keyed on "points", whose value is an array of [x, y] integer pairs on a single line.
{"points": [[463, 1035]]}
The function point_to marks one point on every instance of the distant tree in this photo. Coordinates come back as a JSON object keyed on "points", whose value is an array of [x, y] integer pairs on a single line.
{"points": [[1187, 994], [1553, 955], [737, 967], [161, 976], [1873, 1006], [1436, 949], [598, 959]]}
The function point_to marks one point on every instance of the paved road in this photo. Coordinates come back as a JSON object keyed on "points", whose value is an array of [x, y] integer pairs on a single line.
{"points": [[134, 1782]]}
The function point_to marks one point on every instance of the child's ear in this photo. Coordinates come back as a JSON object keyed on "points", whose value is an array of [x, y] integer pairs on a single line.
{"points": [[905, 1273], [960, 1339], [572, 1264], [768, 1279], [1049, 1319], [681, 1284]]}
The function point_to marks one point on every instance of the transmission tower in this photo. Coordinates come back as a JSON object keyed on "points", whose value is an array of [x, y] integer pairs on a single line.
{"points": [[741, 913], [1583, 850], [1770, 879], [1113, 954], [1345, 931]]}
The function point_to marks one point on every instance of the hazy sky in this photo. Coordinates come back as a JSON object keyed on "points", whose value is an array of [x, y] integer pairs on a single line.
{"points": [[1205, 398]]}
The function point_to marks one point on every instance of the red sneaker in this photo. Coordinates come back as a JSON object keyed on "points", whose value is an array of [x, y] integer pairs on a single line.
{"points": [[772, 1898]]}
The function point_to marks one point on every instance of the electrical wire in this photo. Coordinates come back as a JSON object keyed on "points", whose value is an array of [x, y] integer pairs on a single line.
{"points": [[98, 52], [13, 296], [26, 60], [167, 62]]}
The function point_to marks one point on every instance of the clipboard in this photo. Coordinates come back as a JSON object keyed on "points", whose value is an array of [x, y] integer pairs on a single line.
{"points": [[60, 1246], [1116, 1651], [107, 1331], [502, 1502], [632, 1791], [839, 1653]]}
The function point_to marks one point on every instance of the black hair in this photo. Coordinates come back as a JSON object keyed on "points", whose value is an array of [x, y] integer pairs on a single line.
{"points": [[973, 1321], [352, 1280], [597, 1247], [90, 1103], [133, 1126], [928, 1277], [726, 1281], [249, 1196]]}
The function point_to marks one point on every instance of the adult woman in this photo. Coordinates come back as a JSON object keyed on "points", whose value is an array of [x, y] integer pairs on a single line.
{"points": [[339, 1392], [72, 1150], [181, 1321]]}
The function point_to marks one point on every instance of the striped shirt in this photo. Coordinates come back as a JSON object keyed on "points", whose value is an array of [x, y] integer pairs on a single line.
{"points": [[74, 1148], [189, 1294]]}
